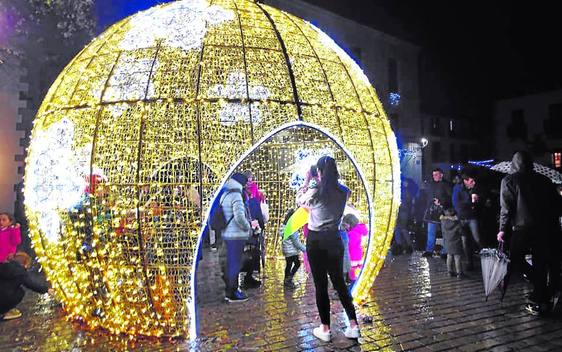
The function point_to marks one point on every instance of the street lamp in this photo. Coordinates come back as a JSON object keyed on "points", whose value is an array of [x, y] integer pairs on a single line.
{"points": [[424, 142]]}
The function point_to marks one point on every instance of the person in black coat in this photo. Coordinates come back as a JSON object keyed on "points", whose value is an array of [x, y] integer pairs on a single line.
{"points": [[466, 201], [13, 277], [530, 209], [439, 198]]}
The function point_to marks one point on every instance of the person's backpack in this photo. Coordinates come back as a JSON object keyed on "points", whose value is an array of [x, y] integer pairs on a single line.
{"points": [[217, 221]]}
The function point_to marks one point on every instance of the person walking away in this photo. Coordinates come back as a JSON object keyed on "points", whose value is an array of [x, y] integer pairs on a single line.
{"points": [[356, 231], [530, 209], [466, 199], [402, 239], [10, 236], [451, 229], [13, 277], [235, 235], [291, 246], [325, 248], [439, 197]]}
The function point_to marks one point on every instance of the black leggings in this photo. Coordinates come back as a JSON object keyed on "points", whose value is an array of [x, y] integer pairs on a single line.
{"points": [[325, 254], [292, 265]]}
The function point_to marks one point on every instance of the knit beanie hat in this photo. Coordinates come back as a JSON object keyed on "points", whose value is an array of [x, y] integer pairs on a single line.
{"points": [[240, 178]]}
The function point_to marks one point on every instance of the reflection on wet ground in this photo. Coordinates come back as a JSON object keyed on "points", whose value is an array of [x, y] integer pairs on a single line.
{"points": [[415, 306]]}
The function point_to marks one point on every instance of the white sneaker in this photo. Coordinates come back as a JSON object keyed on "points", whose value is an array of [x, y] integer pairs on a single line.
{"points": [[351, 333], [319, 333]]}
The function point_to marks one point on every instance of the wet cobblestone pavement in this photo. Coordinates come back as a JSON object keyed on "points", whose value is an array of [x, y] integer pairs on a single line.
{"points": [[415, 306]]}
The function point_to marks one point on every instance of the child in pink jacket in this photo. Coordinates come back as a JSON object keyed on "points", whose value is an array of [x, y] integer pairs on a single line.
{"points": [[10, 236], [355, 231]]}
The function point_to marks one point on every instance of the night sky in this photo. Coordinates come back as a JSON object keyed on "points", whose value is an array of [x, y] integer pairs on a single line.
{"points": [[477, 51], [483, 50]]}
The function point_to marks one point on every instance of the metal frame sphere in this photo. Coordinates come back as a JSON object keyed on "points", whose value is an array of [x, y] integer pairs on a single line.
{"points": [[141, 129]]}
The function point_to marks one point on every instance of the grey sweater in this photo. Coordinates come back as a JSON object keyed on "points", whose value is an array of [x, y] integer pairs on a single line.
{"points": [[324, 215], [239, 227]]}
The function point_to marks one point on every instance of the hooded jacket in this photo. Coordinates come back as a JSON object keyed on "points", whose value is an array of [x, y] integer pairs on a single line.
{"points": [[355, 237], [234, 208], [10, 238], [528, 199], [292, 245]]}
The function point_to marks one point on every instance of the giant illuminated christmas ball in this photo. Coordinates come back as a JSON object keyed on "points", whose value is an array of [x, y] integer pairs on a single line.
{"points": [[141, 129]]}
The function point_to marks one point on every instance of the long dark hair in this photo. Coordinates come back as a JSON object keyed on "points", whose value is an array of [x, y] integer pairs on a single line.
{"points": [[328, 179]]}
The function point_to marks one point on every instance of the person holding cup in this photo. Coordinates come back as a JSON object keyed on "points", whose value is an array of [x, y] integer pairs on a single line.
{"points": [[466, 200]]}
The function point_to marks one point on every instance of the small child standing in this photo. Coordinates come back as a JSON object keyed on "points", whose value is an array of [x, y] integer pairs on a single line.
{"points": [[356, 232], [451, 228], [291, 248], [10, 236]]}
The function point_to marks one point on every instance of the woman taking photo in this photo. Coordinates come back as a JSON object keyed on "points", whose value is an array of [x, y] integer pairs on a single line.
{"points": [[324, 246]]}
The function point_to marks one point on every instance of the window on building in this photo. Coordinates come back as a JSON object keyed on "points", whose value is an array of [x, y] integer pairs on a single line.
{"points": [[436, 126], [392, 75], [553, 124], [452, 128], [452, 154], [436, 153], [557, 160], [517, 128]]}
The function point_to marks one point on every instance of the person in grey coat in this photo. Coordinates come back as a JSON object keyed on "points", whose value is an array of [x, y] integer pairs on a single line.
{"points": [[452, 229], [235, 235], [291, 247]]}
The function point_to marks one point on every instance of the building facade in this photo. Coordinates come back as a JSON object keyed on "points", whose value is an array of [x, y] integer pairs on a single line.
{"points": [[391, 65], [12, 103], [451, 143], [531, 122]]}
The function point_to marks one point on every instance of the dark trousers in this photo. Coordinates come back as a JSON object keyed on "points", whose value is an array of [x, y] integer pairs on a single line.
{"points": [[251, 256], [533, 240], [470, 238], [292, 265], [325, 255], [232, 264], [10, 301]]}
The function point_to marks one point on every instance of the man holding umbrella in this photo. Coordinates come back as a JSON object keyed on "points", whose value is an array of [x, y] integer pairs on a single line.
{"points": [[530, 209]]}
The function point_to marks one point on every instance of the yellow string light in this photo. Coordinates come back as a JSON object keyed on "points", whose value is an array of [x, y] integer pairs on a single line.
{"points": [[139, 131]]}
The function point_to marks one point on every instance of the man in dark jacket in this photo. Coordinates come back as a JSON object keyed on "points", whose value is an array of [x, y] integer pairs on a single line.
{"points": [[13, 277], [530, 208], [439, 197], [466, 197]]}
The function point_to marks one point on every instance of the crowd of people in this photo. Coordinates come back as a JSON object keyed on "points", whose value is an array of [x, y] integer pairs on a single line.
{"points": [[528, 223], [333, 242], [528, 216]]}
